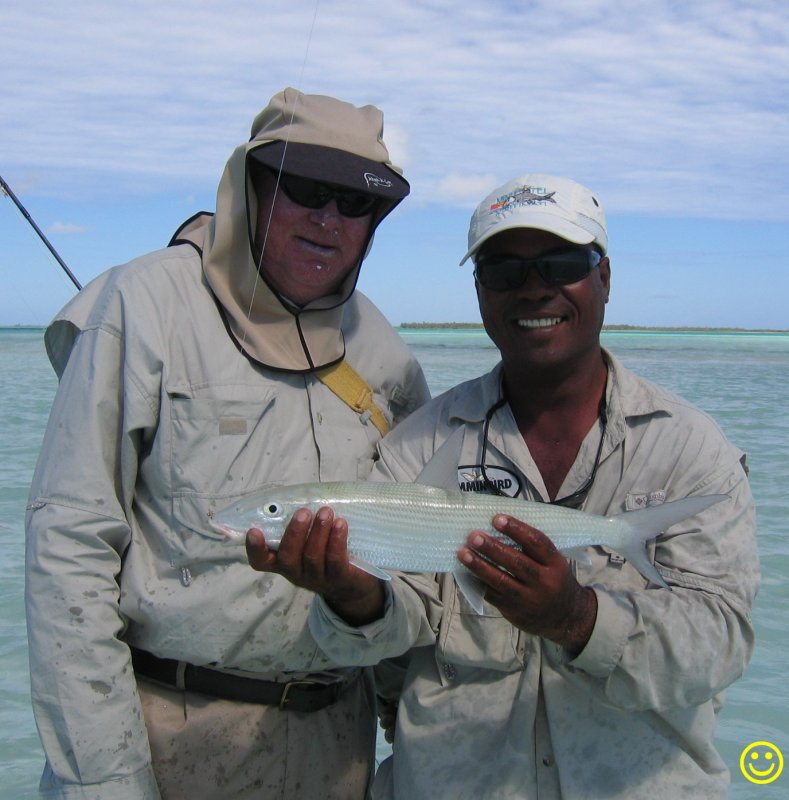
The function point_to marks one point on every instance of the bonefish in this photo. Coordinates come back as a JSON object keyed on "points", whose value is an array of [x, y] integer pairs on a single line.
{"points": [[419, 527]]}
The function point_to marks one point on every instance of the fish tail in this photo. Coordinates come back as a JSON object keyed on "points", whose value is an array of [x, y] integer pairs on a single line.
{"points": [[647, 523]]}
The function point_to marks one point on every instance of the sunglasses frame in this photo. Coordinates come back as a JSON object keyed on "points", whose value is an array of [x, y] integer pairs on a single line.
{"points": [[314, 194], [547, 265]]}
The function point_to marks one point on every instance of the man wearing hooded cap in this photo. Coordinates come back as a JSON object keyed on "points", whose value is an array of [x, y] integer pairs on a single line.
{"points": [[580, 679], [161, 665]]}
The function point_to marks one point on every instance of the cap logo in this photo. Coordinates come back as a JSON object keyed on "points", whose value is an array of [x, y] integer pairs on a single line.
{"points": [[374, 180], [525, 196]]}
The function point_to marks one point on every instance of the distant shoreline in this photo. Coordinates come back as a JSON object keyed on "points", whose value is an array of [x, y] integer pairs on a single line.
{"points": [[625, 328], [478, 326]]}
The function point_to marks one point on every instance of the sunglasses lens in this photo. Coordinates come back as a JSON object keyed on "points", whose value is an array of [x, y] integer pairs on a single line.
{"points": [[563, 267], [501, 274], [314, 194], [355, 204], [304, 191], [567, 266]]}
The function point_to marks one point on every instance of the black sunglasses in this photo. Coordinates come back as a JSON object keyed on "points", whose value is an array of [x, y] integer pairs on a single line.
{"points": [[314, 194], [502, 273]]}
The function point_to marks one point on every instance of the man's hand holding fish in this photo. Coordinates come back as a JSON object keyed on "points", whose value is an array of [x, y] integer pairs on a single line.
{"points": [[532, 584], [313, 555]]}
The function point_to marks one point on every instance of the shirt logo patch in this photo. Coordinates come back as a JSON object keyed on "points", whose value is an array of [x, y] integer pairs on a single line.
{"points": [[636, 500], [471, 479], [232, 426]]}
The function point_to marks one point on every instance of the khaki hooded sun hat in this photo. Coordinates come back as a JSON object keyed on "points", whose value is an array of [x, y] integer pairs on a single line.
{"points": [[311, 136], [325, 139]]}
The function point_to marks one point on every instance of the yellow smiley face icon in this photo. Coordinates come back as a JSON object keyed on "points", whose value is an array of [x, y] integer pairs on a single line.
{"points": [[761, 762]]}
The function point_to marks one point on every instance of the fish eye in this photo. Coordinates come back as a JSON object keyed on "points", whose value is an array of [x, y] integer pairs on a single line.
{"points": [[271, 509]]}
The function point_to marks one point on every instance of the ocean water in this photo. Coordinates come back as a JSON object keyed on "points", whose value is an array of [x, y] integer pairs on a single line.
{"points": [[741, 379]]}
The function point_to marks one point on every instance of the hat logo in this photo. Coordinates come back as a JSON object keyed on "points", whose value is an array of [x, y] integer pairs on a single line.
{"points": [[374, 180], [525, 196]]}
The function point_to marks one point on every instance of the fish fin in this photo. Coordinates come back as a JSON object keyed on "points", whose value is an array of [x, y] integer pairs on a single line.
{"points": [[370, 569], [441, 471], [636, 555], [472, 588], [647, 523], [578, 554]]}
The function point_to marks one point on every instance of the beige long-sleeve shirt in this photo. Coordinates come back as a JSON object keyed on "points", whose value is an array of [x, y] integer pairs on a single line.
{"points": [[488, 711], [158, 420]]}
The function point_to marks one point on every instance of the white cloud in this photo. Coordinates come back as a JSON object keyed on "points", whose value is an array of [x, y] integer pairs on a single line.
{"points": [[66, 228], [458, 189], [145, 97], [397, 143]]}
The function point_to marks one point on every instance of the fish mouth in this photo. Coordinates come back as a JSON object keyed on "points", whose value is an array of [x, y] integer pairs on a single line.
{"points": [[539, 322], [230, 534]]}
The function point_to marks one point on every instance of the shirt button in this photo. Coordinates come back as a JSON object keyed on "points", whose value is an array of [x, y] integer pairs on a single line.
{"points": [[548, 761]]}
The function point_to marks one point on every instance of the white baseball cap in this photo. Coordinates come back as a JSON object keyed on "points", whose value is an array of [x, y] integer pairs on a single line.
{"points": [[545, 202]]}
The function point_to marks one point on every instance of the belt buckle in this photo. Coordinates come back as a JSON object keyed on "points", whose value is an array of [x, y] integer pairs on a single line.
{"points": [[284, 700]]}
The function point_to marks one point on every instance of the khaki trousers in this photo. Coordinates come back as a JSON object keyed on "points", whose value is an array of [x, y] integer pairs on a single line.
{"points": [[209, 749]]}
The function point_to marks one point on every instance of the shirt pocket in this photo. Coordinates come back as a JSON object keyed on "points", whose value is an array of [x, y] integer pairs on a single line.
{"points": [[217, 443], [220, 450], [468, 639]]}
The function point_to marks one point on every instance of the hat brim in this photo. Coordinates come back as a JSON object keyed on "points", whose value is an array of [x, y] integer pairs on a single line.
{"points": [[550, 223], [334, 166]]}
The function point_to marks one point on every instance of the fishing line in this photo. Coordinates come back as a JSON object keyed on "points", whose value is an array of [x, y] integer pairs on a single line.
{"points": [[8, 278], [279, 174]]}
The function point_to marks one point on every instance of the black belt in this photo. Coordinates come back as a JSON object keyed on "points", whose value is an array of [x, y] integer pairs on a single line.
{"points": [[298, 695]]}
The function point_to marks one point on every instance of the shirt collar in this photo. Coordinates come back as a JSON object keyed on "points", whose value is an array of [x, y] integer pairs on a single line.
{"points": [[471, 406], [627, 396]]}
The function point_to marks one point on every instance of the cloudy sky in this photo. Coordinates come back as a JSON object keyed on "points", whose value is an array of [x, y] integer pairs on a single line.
{"points": [[117, 119]]}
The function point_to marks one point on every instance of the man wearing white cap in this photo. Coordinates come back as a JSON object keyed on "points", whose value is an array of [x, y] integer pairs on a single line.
{"points": [[579, 680], [241, 355]]}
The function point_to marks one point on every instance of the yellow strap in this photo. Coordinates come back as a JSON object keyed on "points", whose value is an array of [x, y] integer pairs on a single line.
{"points": [[353, 390]]}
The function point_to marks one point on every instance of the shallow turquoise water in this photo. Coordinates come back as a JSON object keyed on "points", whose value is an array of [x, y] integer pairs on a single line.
{"points": [[742, 380]]}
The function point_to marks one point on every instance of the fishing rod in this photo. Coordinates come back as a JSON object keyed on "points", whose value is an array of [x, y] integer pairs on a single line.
{"points": [[7, 190]]}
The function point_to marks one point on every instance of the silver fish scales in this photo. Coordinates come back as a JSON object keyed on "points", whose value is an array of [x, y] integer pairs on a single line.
{"points": [[419, 527]]}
